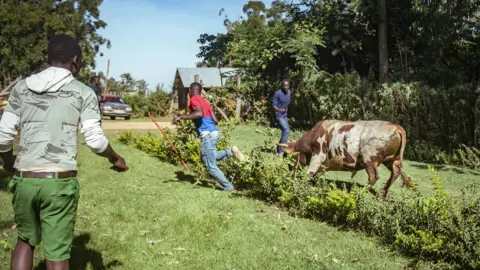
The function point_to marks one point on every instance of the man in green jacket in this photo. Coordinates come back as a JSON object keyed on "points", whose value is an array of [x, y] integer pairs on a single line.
{"points": [[48, 107]]}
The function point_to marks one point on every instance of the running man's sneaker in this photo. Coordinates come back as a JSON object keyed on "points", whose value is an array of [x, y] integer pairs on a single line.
{"points": [[238, 154]]}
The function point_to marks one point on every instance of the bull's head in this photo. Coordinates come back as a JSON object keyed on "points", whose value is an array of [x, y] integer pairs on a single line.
{"points": [[304, 155], [289, 148]]}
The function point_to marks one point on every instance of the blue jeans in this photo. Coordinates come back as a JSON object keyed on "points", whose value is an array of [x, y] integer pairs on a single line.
{"points": [[210, 155], [282, 121]]}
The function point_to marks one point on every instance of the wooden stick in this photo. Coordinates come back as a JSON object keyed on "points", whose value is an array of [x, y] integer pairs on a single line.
{"points": [[166, 138]]}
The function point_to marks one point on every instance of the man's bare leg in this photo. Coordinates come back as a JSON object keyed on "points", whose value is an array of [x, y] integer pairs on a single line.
{"points": [[62, 265], [22, 257]]}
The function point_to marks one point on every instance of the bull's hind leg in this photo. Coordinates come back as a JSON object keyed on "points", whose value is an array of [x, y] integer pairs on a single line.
{"points": [[395, 168], [372, 173]]}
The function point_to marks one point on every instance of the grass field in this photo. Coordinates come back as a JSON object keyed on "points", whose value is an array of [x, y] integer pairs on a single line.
{"points": [[152, 217]]}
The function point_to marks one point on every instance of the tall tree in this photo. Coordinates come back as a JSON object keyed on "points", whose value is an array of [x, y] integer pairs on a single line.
{"points": [[213, 49], [141, 86], [382, 41], [26, 27]]}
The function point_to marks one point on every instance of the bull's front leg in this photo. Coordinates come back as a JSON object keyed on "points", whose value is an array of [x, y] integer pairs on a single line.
{"points": [[315, 163]]}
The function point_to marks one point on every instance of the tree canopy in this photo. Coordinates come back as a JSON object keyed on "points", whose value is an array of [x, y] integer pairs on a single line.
{"points": [[26, 27]]}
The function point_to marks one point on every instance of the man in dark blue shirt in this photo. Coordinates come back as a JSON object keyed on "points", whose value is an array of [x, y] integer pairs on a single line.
{"points": [[96, 86], [280, 103], [98, 91]]}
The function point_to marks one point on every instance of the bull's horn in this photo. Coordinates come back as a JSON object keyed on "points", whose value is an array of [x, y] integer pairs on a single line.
{"points": [[283, 145]]}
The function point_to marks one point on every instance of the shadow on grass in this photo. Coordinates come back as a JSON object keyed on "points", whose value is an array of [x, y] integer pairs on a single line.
{"points": [[6, 224], [4, 179], [182, 176], [82, 256], [346, 184], [446, 168]]}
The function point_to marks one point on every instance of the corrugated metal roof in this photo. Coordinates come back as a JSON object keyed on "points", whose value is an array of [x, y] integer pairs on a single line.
{"points": [[210, 77]]}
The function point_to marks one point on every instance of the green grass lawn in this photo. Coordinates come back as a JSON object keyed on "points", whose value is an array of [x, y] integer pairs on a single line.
{"points": [[152, 217]]}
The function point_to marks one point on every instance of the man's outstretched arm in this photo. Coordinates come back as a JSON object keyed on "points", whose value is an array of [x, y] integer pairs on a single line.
{"points": [[195, 114], [99, 144], [94, 135]]}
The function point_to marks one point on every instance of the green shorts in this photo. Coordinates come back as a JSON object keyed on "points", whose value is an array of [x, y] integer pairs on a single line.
{"points": [[45, 211]]}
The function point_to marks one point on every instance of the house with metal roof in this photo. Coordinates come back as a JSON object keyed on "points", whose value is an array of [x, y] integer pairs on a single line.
{"points": [[207, 77]]}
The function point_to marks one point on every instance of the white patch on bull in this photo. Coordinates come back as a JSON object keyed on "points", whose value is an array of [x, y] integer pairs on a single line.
{"points": [[337, 148], [346, 143], [318, 159]]}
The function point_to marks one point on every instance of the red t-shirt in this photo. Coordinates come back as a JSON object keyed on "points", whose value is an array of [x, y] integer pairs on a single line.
{"points": [[205, 123], [198, 101]]}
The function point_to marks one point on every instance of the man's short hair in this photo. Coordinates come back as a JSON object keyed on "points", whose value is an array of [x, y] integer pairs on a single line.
{"points": [[196, 85], [285, 80], [94, 78], [62, 49]]}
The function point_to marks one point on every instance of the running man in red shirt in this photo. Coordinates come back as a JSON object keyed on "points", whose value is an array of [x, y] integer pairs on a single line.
{"points": [[201, 114]]}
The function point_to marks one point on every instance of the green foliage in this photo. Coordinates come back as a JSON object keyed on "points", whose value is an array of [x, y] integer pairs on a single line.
{"points": [[138, 103], [435, 227], [5, 245], [213, 49], [467, 157], [156, 103]]}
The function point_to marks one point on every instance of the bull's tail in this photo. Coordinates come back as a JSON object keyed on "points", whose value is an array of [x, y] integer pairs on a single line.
{"points": [[403, 138]]}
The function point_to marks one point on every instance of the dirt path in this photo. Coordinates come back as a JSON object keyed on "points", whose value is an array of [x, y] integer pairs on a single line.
{"points": [[120, 125]]}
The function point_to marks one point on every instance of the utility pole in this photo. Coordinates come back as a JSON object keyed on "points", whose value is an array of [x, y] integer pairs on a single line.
{"points": [[106, 80]]}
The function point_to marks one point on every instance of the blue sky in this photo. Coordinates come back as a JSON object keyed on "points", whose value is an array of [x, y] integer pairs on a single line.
{"points": [[151, 38]]}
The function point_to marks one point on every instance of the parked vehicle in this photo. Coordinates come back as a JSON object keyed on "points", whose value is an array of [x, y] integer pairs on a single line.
{"points": [[114, 106]]}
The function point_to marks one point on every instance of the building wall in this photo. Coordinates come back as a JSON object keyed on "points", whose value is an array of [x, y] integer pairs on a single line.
{"points": [[182, 96]]}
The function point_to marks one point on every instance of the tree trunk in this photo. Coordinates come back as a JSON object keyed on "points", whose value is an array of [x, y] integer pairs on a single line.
{"points": [[238, 108], [382, 41], [364, 91], [475, 113]]}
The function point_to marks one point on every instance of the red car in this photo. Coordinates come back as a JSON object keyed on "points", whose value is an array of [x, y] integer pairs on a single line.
{"points": [[114, 106]]}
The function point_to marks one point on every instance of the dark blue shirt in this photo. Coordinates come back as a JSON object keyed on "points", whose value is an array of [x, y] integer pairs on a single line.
{"points": [[96, 89], [281, 101]]}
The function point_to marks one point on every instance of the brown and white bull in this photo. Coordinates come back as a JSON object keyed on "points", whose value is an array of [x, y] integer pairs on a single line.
{"points": [[334, 145]]}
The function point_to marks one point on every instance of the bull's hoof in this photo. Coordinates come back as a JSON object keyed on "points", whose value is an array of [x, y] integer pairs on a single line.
{"points": [[311, 174], [383, 194]]}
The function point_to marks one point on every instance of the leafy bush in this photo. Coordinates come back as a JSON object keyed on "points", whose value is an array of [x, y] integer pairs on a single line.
{"points": [[157, 103], [435, 227], [467, 156]]}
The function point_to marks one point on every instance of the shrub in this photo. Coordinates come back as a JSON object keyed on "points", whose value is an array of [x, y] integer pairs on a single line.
{"points": [[435, 227], [138, 104], [157, 103]]}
